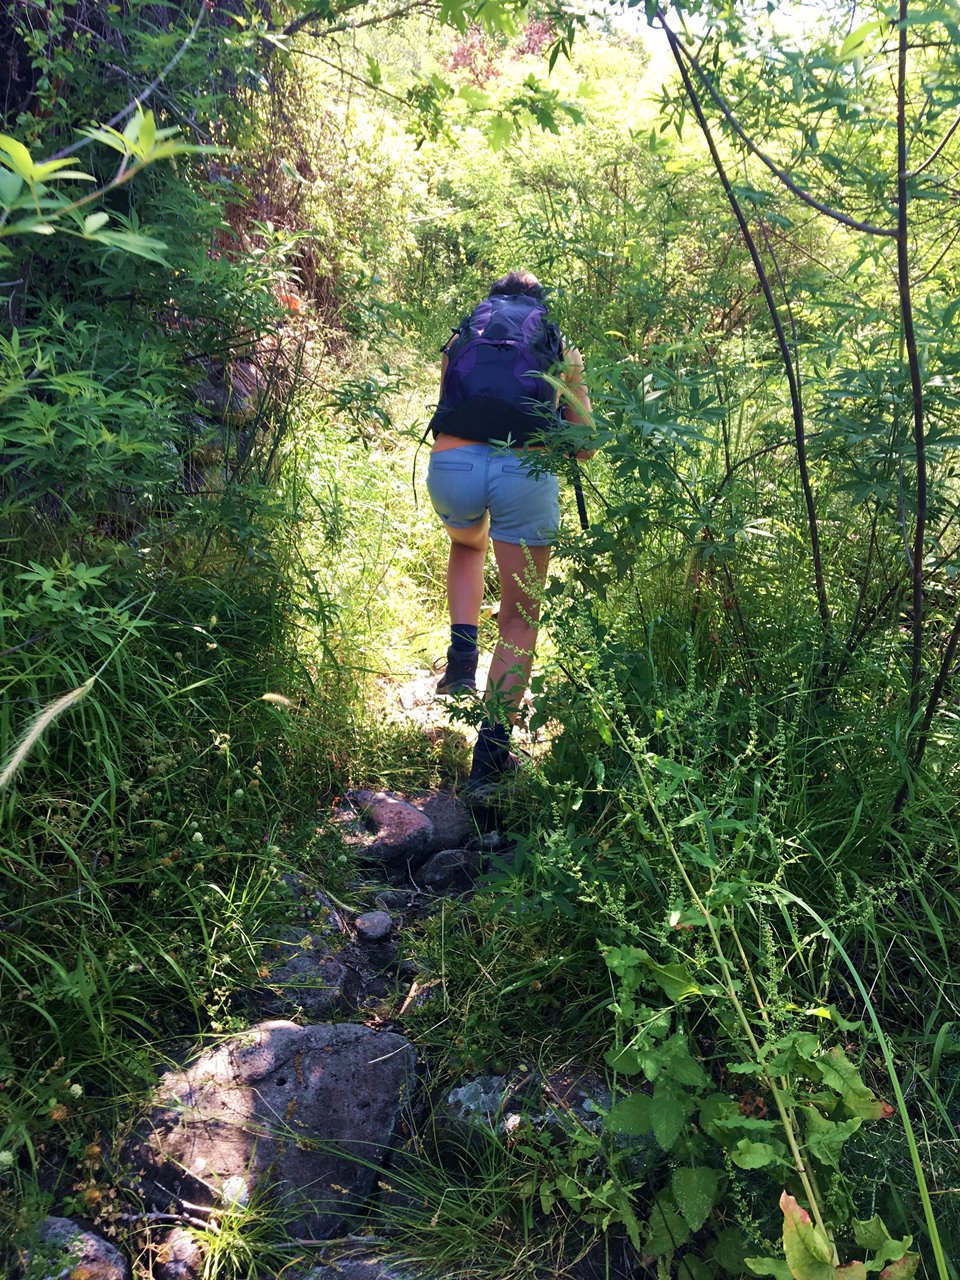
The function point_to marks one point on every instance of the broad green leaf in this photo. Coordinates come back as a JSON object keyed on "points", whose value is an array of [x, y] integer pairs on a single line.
{"points": [[474, 97], [840, 1074], [677, 1064], [11, 184], [825, 1138], [695, 1191], [904, 1268], [633, 1114], [755, 1155], [94, 221], [673, 979], [671, 1108], [871, 1233], [690, 1268], [769, 1267], [499, 132], [805, 1247], [626, 1061], [851, 1271], [666, 1230]]}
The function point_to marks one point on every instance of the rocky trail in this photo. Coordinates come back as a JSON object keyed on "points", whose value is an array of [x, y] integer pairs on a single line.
{"points": [[300, 1115]]}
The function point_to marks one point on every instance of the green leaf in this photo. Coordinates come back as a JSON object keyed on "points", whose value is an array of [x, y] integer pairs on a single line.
{"points": [[11, 184], [499, 133], [673, 979], [872, 1233], [677, 1063], [671, 1108], [20, 157], [133, 242], [474, 97], [857, 40], [633, 1115], [755, 1155], [805, 1247], [666, 1230], [695, 1191], [840, 1074], [825, 1138], [627, 1061], [769, 1267], [148, 133]]}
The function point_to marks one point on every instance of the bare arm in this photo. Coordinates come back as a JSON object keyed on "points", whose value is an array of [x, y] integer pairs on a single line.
{"points": [[576, 407]]}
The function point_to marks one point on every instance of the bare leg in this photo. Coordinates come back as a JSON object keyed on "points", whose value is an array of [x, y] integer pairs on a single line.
{"points": [[522, 570], [468, 550]]}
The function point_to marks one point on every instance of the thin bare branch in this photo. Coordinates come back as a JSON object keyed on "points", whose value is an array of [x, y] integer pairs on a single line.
{"points": [[780, 174], [936, 151], [782, 343], [317, 15]]}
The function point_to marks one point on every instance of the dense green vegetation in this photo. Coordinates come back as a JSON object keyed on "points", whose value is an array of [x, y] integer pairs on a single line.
{"points": [[735, 890]]}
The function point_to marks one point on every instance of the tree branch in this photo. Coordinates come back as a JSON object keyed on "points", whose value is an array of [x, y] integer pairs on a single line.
{"points": [[317, 14], [936, 151], [913, 361], [143, 95], [782, 343], [751, 146]]}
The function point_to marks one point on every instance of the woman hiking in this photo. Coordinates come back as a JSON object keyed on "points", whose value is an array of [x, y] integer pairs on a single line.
{"points": [[491, 391]]}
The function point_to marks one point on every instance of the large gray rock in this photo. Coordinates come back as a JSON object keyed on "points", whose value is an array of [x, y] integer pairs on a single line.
{"points": [[302, 1116], [453, 826], [66, 1249], [401, 833]]}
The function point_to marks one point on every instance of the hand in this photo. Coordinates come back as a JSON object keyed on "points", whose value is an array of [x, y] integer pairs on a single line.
{"points": [[573, 359]]}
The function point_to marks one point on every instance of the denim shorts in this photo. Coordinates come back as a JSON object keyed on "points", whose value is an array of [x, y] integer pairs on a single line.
{"points": [[471, 479]]}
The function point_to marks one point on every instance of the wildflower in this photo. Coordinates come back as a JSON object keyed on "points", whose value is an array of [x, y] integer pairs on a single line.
{"points": [[6, 1160], [197, 837], [58, 1112], [77, 1090], [238, 794], [212, 646], [194, 825]]}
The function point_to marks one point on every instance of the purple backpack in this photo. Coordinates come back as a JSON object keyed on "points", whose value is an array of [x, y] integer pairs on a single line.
{"points": [[498, 353]]}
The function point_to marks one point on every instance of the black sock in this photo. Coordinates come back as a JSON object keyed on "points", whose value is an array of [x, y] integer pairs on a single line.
{"points": [[463, 637]]}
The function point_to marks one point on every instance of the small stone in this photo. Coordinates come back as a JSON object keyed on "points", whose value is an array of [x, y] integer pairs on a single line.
{"points": [[360, 1269], [450, 871], [67, 1249], [372, 926], [178, 1257]]}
